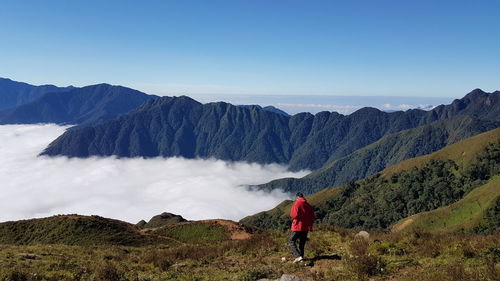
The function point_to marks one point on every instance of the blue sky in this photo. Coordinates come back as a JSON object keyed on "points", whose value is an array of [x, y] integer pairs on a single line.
{"points": [[349, 48]]}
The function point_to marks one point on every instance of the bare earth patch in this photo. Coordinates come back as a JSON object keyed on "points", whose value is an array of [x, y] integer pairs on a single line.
{"points": [[400, 226]]}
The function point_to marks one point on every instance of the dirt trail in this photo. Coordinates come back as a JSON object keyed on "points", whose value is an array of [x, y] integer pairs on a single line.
{"points": [[400, 226], [236, 230]]}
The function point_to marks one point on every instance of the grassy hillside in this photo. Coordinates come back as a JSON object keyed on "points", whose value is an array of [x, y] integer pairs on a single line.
{"points": [[225, 250], [73, 230], [469, 213], [95, 230], [463, 153], [330, 255], [195, 232], [414, 186], [208, 231]]}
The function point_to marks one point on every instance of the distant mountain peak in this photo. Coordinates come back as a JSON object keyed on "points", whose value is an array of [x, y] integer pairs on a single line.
{"points": [[8, 80], [268, 108], [477, 91], [271, 108], [367, 110], [476, 94], [13, 93], [178, 100], [106, 85], [28, 104], [160, 220]]}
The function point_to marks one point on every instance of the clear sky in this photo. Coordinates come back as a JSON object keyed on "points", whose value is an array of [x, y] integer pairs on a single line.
{"points": [[395, 48]]}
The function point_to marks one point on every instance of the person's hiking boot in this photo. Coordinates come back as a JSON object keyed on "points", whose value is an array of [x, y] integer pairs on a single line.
{"points": [[299, 259]]}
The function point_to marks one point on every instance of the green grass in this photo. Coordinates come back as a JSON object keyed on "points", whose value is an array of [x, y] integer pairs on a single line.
{"points": [[73, 230], [413, 256], [462, 215], [195, 232]]}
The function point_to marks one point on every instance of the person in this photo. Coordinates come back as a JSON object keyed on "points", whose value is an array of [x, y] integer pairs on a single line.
{"points": [[303, 218]]}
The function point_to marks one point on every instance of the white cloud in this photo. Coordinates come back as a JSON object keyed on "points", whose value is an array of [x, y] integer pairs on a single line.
{"points": [[345, 109], [126, 189], [314, 108]]}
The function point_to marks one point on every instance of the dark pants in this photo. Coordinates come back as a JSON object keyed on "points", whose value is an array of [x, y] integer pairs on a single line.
{"points": [[302, 237]]}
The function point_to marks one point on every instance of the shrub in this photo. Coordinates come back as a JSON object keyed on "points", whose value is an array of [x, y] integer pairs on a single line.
{"points": [[458, 272], [468, 251], [365, 266], [160, 259], [492, 271], [15, 275], [253, 275], [427, 244], [429, 248], [255, 244], [358, 247], [108, 272], [390, 249]]}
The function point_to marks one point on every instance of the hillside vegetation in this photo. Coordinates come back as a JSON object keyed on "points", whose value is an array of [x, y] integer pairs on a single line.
{"points": [[426, 183], [207, 231], [479, 210], [331, 254], [75, 247], [73, 230], [95, 230], [388, 151]]}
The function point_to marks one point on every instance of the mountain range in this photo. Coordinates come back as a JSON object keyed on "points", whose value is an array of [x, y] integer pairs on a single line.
{"points": [[115, 120], [13, 93], [181, 126], [21, 103]]}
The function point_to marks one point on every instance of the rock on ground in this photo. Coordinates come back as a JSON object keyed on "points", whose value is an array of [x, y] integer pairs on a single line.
{"points": [[363, 234]]}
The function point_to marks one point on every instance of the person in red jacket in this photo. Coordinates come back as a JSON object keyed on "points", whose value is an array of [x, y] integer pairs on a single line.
{"points": [[303, 218]]}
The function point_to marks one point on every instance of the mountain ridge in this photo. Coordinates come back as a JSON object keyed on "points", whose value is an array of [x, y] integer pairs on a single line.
{"points": [[181, 126], [81, 106], [387, 151], [14, 93]]}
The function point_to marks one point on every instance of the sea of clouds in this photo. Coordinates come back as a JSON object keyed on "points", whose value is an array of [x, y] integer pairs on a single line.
{"points": [[293, 104], [128, 189]]}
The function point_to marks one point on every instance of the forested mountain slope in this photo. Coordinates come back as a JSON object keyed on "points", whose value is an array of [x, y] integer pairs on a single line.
{"points": [[479, 210], [181, 126], [413, 186], [389, 150]]}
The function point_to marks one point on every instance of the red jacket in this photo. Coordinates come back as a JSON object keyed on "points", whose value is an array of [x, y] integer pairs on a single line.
{"points": [[303, 215]]}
